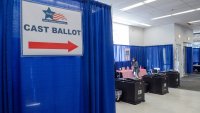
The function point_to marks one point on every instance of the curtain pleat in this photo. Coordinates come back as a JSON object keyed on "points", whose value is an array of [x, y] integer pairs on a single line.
{"points": [[196, 55], [189, 60]]}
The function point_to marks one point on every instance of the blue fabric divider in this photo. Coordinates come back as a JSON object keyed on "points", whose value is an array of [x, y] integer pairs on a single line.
{"points": [[122, 64], [138, 53], [58, 84], [135, 52], [160, 56], [189, 61], [196, 55], [169, 63], [8, 73], [154, 57], [97, 66], [1, 56]]}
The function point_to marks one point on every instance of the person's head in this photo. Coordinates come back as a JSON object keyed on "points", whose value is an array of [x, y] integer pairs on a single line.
{"points": [[134, 59]]}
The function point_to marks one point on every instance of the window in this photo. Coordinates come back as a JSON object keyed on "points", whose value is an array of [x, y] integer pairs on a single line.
{"points": [[120, 34]]}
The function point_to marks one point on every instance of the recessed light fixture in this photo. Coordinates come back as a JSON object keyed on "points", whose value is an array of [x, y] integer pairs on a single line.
{"points": [[137, 5], [175, 14], [128, 22], [196, 21]]}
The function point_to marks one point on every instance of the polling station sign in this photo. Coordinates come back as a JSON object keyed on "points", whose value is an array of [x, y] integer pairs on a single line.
{"points": [[48, 30]]}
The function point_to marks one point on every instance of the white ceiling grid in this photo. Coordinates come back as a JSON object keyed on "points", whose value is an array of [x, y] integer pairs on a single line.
{"points": [[146, 12]]}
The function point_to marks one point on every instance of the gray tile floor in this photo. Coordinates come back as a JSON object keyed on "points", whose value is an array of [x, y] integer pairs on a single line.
{"points": [[177, 101], [191, 82]]}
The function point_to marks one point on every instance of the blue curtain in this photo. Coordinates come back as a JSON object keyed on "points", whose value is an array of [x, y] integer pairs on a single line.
{"points": [[122, 64], [154, 57], [98, 80], [169, 60], [58, 84], [1, 57], [189, 60], [196, 55], [159, 56], [135, 52], [7, 80], [138, 53]]}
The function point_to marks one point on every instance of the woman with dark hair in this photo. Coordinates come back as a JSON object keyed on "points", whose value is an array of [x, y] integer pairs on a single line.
{"points": [[135, 66]]}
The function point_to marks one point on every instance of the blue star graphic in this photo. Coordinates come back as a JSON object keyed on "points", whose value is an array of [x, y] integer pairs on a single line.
{"points": [[48, 13]]}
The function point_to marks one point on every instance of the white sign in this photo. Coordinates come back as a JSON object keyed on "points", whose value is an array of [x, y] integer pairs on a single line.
{"points": [[127, 54], [48, 30]]}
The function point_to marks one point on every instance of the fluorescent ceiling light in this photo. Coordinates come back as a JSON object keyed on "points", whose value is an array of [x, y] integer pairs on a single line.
{"points": [[149, 1], [128, 22], [132, 6], [143, 24], [194, 21], [161, 17], [137, 5], [179, 13]]}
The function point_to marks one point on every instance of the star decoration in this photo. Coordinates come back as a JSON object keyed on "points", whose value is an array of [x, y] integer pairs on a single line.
{"points": [[48, 13]]}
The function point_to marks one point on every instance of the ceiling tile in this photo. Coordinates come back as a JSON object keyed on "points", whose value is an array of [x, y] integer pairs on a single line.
{"points": [[158, 8]]}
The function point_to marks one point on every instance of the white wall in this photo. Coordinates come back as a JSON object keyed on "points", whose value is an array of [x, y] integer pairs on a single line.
{"points": [[136, 36], [186, 37], [184, 32], [162, 35], [196, 38], [169, 34], [159, 35], [120, 34]]}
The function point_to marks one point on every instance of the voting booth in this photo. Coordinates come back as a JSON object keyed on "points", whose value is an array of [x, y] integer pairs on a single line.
{"points": [[56, 57]]}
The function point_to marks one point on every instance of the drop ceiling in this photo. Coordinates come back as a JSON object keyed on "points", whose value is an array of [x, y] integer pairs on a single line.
{"points": [[145, 13]]}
